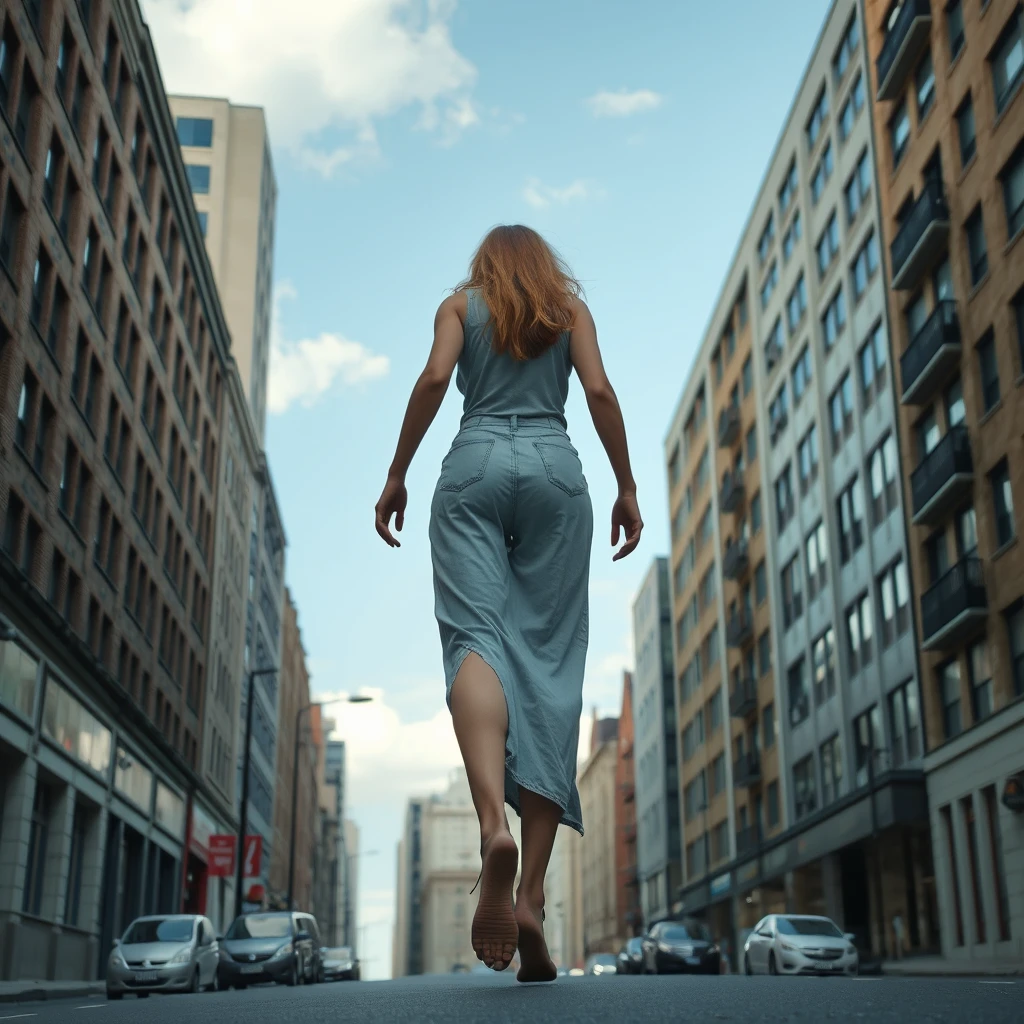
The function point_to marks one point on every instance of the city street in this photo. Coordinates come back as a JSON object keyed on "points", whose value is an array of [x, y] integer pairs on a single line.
{"points": [[496, 998]]}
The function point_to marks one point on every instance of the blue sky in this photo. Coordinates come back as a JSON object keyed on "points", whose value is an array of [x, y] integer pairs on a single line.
{"points": [[402, 131]]}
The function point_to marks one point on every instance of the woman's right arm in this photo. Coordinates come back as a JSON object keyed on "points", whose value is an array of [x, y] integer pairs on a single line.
{"points": [[607, 417]]}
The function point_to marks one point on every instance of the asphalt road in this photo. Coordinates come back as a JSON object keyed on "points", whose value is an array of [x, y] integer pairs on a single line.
{"points": [[496, 999]]}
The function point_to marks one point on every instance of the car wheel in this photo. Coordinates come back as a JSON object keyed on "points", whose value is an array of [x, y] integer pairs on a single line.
{"points": [[772, 968], [746, 964], [114, 995], [141, 995], [293, 977], [240, 985], [321, 975]]}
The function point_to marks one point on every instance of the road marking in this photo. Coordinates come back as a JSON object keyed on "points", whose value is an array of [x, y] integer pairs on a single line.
{"points": [[15, 1016], [91, 1006], [997, 983]]}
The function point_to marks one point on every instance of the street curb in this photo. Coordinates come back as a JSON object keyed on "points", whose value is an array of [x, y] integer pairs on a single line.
{"points": [[953, 974], [39, 993]]}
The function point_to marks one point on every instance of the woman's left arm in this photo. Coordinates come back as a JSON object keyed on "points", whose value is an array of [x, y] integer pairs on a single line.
{"points": [[427, 395]]}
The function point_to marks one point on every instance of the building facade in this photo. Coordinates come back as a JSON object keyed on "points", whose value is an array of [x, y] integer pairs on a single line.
{"points": [[658, 856], [563, 894], [352, 855], [627, 908], [113, 350], [947, 83], [227, 158], [800, 722], [334, 910]]}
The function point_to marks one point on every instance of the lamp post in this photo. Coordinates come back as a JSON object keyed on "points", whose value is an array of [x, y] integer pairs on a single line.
{"points": [[358, 698], [243, 815]]}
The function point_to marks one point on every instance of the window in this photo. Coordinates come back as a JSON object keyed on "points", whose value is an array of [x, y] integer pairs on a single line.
{"points": [[817, 119], [979, 674], [1018, 315], [768, 288], [977, 247], [873, 358], [202, 217], [966, 131], [822, 173], [828, 245], [764, 653], [760, 583], [905, 722], [805, 787], [841, 412], [792, 596], [10, 227], [867, 740], [1002, 503], [851, 108], [882, 471], [894, 602], [899, 133], [924, 81], [778, 412], [949, 693], [784, 504], [816, 550], [773, 346], [831, 756], [989, 370], [807, 461], [823, 661], [1012, 178], [788, 190], [864, 265], [1007, 61], [801, 374], [834, 320], [955, 28], [195, 131], [851, 520], [796, 305], [793, 235], [764, 243], [35, 868], [847, 51], [858, 187], [859, 634], [747, 376]]}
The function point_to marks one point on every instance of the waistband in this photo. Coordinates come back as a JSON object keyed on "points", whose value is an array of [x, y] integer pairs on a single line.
{"points": [[513, 422]]}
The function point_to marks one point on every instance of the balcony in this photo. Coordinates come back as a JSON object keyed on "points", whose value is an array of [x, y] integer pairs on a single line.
{"points": [[736, 561], [740, 630], [902, 46], [954, 606], [743, 699], [731, 494], [747, 840], [746, 770], [921, 238], [945, 475], [931, 355], [728, 427]]}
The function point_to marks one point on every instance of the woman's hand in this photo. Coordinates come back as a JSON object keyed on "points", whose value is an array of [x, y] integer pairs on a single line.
{"points": [[392, 502], [626, 518]]}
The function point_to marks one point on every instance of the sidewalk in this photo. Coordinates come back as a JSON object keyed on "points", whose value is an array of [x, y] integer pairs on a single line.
{"points": [[934, 966], [30, 991]]}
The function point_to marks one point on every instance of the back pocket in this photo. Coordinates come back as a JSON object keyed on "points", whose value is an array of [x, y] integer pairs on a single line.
{"points": [[563, 467], [465, 464]]}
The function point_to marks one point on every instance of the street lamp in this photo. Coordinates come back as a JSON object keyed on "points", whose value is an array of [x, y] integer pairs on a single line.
{"points": [[243, 816], [358, 698]]}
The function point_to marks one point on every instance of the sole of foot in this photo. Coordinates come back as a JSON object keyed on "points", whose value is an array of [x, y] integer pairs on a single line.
{"points": [[534, 958], [495, 932]]}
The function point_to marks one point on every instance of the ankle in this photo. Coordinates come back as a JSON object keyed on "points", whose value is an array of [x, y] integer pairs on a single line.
{"points": [[491, 828], [530, 897]]}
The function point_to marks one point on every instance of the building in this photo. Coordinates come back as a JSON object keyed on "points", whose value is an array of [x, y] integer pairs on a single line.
{"points": [[352, 854], [294, 821], [799, 697], [563, 891], [627, 888], [327, 872], [656, 757], [947, 81], [597, 855], [227, 158], [407, 955], [113, 350], [332, 913]]}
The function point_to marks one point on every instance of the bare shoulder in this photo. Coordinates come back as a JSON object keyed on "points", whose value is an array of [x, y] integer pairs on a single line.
{"points": [[455, 304], [583, 320]]}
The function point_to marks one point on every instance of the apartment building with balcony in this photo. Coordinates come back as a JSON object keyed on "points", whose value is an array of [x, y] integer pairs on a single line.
{"points": [[799, 712], [113, 353], [656, 755], [947, 83]]}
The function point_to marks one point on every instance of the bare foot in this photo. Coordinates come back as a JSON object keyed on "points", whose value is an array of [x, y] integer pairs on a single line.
{"points": [[495, 933], [536, 962]]}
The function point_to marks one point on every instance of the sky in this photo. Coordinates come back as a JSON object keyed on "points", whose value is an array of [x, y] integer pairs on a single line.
{"points": [[633, 135]]}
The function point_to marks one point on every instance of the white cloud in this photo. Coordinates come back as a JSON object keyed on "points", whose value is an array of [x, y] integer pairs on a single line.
{"points": [[623, 103], [301, 371], [539, 195], [319, 67]]}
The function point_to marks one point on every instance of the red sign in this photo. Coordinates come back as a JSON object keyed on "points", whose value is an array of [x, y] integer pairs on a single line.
{"points": [[221, 856], [252, 857]]}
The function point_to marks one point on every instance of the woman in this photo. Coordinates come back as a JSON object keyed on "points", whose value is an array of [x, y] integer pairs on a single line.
{"points": [[510, 534]]}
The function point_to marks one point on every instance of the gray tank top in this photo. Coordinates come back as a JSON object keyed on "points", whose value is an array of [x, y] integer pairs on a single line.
{"points": [[496, 384]]}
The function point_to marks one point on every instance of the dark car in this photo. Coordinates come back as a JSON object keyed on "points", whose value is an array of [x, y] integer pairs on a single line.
{"points": [[281, 946], [680, 946], [631, 957], [340, 964]]}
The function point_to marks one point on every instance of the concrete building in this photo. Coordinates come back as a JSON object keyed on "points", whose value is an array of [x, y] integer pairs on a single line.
{"points": [[227, 158], [563, 896], [352, 855], [113, 350], [332, 914], [627, 902], [326, 873], [656, 758], [947, 81], [799, 704], [597, 855], [408, 942]]}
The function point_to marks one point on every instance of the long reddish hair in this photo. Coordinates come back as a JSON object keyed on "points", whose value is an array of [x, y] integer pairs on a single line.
{"points": [[528, 288]]}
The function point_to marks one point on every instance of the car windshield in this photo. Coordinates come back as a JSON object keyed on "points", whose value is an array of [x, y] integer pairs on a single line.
{"points": [[339, 953], [261, 926], [159, 930], [634, 945], [808, 926], [687, 931]]}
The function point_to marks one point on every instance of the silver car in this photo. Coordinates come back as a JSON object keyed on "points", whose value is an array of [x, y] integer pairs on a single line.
{"points": [[163, 953], [799, 944]]}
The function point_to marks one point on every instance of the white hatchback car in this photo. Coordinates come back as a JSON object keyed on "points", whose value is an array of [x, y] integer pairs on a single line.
{"points": [[799, 944]]}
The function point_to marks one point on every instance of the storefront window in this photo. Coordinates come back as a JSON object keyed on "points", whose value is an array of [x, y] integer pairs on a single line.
{"points": [[73, 728], [17, 677], [170, 810], [133, 779]]}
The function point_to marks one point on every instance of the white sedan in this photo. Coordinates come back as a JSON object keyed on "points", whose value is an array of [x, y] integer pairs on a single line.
{"points": [[797, 944]]}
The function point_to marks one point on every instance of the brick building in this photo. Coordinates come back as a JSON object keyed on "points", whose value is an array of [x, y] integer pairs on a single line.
{"points": [[627, 910], [947, 80]]}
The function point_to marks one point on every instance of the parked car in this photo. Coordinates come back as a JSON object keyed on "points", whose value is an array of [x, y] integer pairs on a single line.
{"points": [[631, 957], [686, 946], [340, 964], [799, 944], [599, 964], [163, 953], [279, 946]]}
